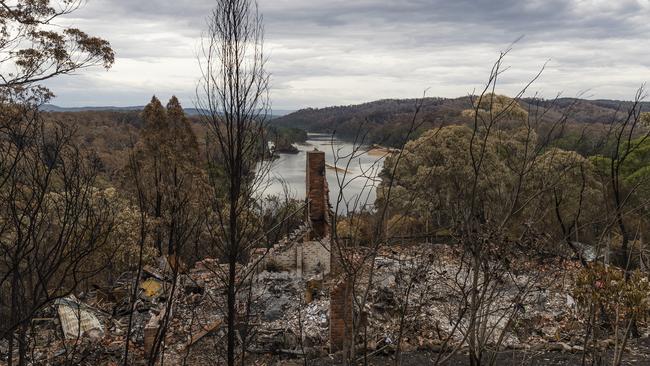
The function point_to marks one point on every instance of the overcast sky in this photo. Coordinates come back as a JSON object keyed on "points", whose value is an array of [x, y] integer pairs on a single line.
{"points": [[336, 52]]}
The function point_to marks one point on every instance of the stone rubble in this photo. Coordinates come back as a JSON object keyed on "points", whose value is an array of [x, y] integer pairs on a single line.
{"points": [[290, 314]]}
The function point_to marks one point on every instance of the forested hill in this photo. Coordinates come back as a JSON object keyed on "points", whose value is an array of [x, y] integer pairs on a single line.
{"points": [[111, 133], [385, 121], [274, 113]]}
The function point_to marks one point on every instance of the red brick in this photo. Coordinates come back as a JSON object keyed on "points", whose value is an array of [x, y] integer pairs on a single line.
{"points": [[340, 316], [317, 194]]}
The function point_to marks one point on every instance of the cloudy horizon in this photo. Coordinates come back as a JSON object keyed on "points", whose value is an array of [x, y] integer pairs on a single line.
{"points": [[336, 52]]}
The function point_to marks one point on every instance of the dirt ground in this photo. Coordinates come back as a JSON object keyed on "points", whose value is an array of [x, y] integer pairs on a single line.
{"points": [[507, 358], [639, 355]]}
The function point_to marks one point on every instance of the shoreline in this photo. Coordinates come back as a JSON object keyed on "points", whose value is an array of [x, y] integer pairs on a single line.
{"points": [[335, 168], [383, 151]]}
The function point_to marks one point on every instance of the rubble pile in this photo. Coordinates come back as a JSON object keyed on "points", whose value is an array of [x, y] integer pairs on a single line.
{"points": [[90, 328], [415, 298], [288, 323], [421, 299], [546, 310]]}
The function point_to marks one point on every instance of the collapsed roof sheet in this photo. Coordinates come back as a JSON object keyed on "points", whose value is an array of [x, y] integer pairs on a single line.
{"points": [[76, 321]]}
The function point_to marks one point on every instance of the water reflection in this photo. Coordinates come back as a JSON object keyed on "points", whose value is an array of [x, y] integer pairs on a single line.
{"points": [[356, 172]]}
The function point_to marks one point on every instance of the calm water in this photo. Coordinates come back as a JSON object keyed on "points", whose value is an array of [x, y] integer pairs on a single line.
{"points": [[359, 182]]}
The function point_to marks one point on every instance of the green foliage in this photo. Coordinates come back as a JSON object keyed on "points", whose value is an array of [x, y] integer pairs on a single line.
{"points": [[586, 143], [634, 170], [37, 49], [167, 135], [432, 179], [434, 183], [283, 138], [568, 191], [180, 131], [290, 134]]}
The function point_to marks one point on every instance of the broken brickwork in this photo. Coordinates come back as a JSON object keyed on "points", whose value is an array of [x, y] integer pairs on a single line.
{"points": [[340, 315], [317, 195]]}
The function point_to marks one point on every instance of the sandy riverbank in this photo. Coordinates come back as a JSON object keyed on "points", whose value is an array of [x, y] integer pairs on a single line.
{"points": [[381, 151]]}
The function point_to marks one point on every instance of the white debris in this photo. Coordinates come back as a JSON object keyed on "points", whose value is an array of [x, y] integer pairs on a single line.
{"points": [[76, 321]]}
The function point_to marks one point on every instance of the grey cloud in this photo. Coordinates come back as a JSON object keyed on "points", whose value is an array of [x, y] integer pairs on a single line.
{"points": [[376, 47]]}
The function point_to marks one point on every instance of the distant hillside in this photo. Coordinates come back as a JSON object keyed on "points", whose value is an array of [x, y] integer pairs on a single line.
{"points": [[385, 121], [112, 131], [55, 108], [590, 111], [189, 111]]}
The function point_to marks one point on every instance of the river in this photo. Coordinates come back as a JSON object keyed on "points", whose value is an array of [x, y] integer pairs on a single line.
{"points": [[359, 182]]}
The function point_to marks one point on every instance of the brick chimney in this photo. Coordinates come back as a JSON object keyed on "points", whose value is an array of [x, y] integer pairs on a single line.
{"points": [[317, 194], [318, 215], [340, 316]]}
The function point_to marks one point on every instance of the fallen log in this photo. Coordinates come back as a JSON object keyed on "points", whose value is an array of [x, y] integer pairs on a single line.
{"points": [[202, 333]]}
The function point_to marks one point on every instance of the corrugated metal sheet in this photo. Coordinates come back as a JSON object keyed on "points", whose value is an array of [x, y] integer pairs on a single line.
{"points": [[76, 321]]}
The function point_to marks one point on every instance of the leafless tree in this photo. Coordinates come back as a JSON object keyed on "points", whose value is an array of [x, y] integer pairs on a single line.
{"points": [[619, 235], [490, 250], [164, 179], [494, 225], [355, 254], [52, 217], [625, 136], [233, 97], [142, 239], [53, 220]]}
